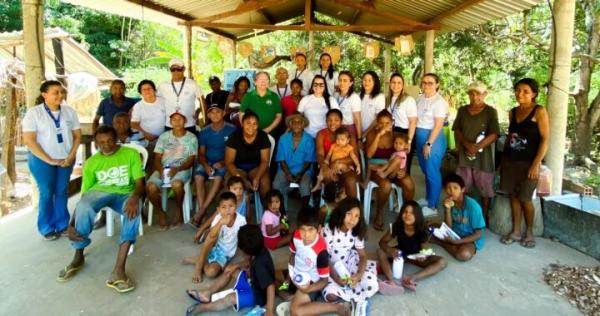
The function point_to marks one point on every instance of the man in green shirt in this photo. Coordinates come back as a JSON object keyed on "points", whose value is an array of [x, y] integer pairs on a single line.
{"points": [[264, 102], [113, 177]]}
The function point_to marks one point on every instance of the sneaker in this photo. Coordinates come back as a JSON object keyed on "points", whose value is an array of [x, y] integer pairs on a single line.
{"points": [[429, 212], [51, 236], [422, 202], [361, 309]]}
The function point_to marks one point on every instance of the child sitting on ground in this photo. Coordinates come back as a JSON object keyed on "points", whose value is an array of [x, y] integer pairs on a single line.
{"points": [[221, 241], [309, 268], [352, 276], [274, 223], [411, 234], [464, 216], [341, 149], [259, 269], [332, 194], [397, 161], [236, 186]]}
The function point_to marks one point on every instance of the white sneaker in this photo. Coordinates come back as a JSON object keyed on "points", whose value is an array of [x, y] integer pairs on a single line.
{"points": [[361, 308], [422, 202], [429, 212]]}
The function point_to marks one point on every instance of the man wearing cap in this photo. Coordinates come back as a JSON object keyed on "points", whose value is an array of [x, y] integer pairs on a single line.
{"points": [[181, 94], [211, 156], [302, 72], [177, 149], [476, 130], [295, 155]]}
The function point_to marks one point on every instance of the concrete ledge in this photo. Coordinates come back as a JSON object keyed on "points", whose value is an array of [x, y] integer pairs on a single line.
{"points": [[501, 218]]}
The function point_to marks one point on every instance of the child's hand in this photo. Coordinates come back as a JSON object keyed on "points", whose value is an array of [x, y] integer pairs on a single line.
{"points": [[353, 280], [197, 277], [198, 236], [358, 170], [448, 203], [449, 240]]}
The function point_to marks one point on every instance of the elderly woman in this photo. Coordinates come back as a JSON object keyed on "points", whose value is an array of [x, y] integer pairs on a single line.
{"points": [[149, 114], [295, 156], [315, 105], [404, 113], [430, 142], [52, 134], [524, 151], [379, 149], [349, 103], [247, 154], [264, 102], [325, 138]]}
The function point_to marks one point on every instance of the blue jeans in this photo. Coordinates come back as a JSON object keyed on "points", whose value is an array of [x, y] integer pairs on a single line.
{"points": [[53, 186], [431, 166], [90, 204]]}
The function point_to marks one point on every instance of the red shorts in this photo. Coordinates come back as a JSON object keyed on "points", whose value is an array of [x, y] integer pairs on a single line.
{"points": [[271, 242]]}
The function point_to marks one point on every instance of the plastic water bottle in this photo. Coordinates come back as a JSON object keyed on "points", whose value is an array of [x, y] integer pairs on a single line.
{"points": [[341, 270], [479, 138], [256, 311], [166, 176], [398, 266]]}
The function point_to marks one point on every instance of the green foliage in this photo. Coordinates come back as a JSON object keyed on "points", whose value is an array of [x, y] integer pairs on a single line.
{"points": [[10, 16]]}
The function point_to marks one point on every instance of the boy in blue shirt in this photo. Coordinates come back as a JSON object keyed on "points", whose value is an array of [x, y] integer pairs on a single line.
{"points": [[463, 214]]}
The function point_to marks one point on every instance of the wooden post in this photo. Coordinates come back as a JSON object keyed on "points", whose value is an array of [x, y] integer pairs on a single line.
{"points": [[311, 50], [234, 54], [33, 47], [429, 39], [187, 50], [8, 179], [387, 58], [558, 95], [59, 60]]}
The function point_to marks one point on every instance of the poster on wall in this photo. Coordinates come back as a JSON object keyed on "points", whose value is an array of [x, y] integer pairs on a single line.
{"points": [[231, 75]]}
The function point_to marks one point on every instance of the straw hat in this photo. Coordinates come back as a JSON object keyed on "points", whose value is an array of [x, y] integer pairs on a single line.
{"points": [[288, 120]]}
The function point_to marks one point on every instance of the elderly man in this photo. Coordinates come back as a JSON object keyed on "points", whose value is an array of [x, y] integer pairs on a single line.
{"points": [[476, 130], [181, 94], [281, 87], [295, 155], [116, 103], [175, 149], [112, 177]]}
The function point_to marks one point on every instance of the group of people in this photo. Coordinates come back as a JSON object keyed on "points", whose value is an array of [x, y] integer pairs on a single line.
{"points": [[309, 131]]}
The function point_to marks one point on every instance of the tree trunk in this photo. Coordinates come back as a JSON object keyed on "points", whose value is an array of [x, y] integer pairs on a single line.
{"points": [[33, 47]]}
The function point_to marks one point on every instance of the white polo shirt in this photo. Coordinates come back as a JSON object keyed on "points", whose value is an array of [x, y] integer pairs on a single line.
{"points": [[315, 110], [331, 83], [401, 112], [150, 115], [430, 108], [37, 120], [370, 107], [348, 105], [306, 76], [281, 92], [188, 98]]}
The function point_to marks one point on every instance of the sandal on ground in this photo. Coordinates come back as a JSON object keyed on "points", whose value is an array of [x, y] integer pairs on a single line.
{"points": [[410, 285], [67, 273], [509, 239], [389, 288], [190, 310], [528, 243], [51, 236], [195, 295], [121, 286]]}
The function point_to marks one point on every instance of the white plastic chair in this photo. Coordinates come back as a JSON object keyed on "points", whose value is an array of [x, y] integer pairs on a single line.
{"points": [[369, 193], [187, 201], [110, 221], [259, 209]]}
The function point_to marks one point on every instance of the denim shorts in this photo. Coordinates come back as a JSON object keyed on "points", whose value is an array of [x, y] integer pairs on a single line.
{"points": [[183, 176], [217, 172], [217, 255]]}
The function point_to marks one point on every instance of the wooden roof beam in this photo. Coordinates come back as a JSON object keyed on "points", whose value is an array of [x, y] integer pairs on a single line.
{"points": [[310, 27], [458, 9], [308, 13], [358, 13], [246, 6], [416, 25]]}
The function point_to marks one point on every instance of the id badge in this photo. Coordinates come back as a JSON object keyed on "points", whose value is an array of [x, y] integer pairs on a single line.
{"points": [[59, 136]]}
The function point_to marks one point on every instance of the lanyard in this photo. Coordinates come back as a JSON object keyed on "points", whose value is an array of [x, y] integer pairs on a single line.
{"points": [[340, 100], [284, 92], [296, 74], [177, 93], [56, 120]]}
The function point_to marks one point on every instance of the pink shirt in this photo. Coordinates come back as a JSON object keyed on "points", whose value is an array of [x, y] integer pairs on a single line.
{"points": [[269, 218]]}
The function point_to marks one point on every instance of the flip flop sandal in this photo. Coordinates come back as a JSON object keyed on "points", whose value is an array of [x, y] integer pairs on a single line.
{"points": [[121, 286], [67, 273], [528, 243], [508, 239], [190, 310], [389, 288], [195, 295], [51, 236], [410, 286]]}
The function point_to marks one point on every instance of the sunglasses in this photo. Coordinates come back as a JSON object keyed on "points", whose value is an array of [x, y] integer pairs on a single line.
{"points": [[176, 69], [317, 85], [428, 83]]}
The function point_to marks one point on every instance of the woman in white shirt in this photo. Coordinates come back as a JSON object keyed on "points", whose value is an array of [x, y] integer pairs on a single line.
{"points": [[372, 100], [404, 112], [349, 103], [52, 134], [149, 114], [430, 142], [301, 72], [315, 105], [327, 70]]}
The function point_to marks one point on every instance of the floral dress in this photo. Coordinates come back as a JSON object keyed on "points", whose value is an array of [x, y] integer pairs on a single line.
{"points": [[343, 246]]}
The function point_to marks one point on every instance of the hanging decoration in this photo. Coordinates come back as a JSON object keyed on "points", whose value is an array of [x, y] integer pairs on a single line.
{"points": [[245, 49], [224, 46], [268, 53], [334, 52], [372, 50], [404, 44], [295, 50]]}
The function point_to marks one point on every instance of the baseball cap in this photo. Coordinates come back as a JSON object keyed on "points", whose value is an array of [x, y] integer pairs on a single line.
{"points": [[176, 62], [219, 103], [177, 113], [477, 86]]}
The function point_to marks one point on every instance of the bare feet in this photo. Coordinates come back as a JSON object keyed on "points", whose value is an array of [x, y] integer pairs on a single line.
{"points": [[189, 260], [344, 309], [200, 296]]}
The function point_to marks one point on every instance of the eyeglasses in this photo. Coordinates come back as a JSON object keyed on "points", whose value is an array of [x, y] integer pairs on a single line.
{"points": [[318, 85], [428, 83], [176, 69]]}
